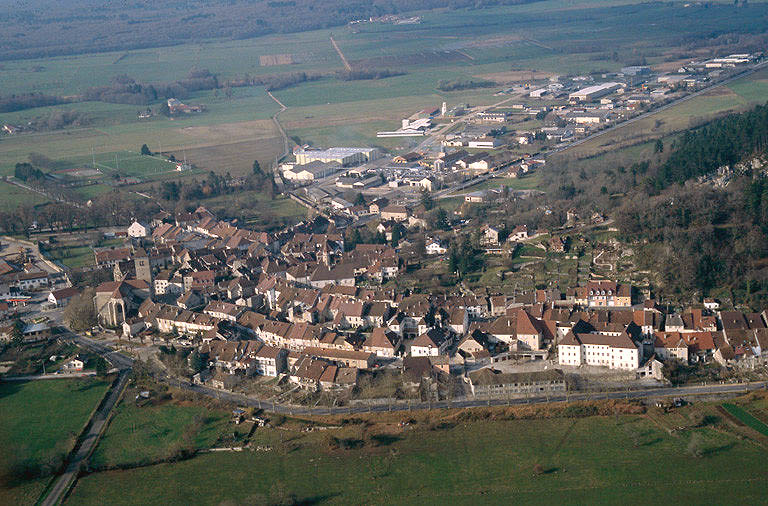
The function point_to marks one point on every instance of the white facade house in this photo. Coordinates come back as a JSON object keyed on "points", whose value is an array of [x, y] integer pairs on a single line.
{"points": [[138, 230], [74, 365], [613, 352], [430, 344], [168, 286], [434, 247], [268, 361]]}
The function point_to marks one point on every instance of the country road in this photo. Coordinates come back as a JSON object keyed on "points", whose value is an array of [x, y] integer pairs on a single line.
{"points": [[341, 55], [87, 443], [123, 362], [283, 135]]}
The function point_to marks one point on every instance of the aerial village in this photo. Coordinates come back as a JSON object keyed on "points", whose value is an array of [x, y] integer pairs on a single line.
{"points": [[301, 311]]}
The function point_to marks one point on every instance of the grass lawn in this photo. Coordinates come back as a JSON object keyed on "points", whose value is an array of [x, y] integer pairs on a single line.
{"points": [[450, 204], [73, 257], [40, 421], [599, 459], [527, 182], [266, 211], [139, 435], [11, 197]]}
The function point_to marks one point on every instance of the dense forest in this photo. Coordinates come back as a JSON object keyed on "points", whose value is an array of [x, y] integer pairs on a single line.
{"points": [[445, 85], [367, 74], [126, 90], [18, 102], [722, 142], [42, 28]]}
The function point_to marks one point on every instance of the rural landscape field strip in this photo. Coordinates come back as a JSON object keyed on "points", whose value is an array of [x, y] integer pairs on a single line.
{"points": [[432, 461], [746, 418], [40, 421]]}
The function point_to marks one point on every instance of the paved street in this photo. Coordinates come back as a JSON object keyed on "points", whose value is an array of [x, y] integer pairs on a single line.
{"points": [[123, 365], [33, 377], [87, 443], [122, 362]]}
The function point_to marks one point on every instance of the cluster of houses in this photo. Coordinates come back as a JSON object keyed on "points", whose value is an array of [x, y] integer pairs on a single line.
{"points": [[579, 105], [299, 304]]}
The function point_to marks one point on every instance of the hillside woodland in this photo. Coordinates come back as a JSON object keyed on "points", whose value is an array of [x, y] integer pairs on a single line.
{"points": [[696, 214]]}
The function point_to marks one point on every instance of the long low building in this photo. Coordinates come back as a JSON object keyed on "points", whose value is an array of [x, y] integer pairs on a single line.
{"points": [[343, 156], [407, 132], [592, 92], [494, 382], [311, 171]]}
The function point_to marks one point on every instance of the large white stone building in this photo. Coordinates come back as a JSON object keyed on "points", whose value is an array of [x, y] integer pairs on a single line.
{"points": [[342, 156], [614, 352]]}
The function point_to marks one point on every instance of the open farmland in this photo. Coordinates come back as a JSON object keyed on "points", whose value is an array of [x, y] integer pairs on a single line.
{"points": [[226, 122], [12, 196], [140, 434], [460, 456], [40, 420], [502, 43]]}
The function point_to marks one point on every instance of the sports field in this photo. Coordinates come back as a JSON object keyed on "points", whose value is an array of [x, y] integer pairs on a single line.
{"points": [[40, 422], [466, 457]]}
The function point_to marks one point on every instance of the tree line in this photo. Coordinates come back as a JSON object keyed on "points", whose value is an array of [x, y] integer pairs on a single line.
{"points": [[724, 141], [86, 26], [463, 84]]}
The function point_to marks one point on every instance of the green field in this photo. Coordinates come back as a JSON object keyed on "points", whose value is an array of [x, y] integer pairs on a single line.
{"points": [[269, 212], [140, 435], [747, 418], [462, 460], [527, 182], [73, 257], [552, 36], [11, 197], [40, 421]]}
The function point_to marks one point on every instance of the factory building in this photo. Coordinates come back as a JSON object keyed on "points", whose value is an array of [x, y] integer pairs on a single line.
{"points": [[409, 128], [591, 93], [342, 156]]}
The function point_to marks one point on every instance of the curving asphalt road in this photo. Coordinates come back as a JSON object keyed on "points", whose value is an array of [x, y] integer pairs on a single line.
{"points": [[124, 363]]}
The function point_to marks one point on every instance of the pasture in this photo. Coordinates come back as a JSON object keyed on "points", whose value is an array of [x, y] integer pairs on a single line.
{"points": [[503, 43], [41, 421], [460, 456], [138, 435], [73, 257], [12, 196]]}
